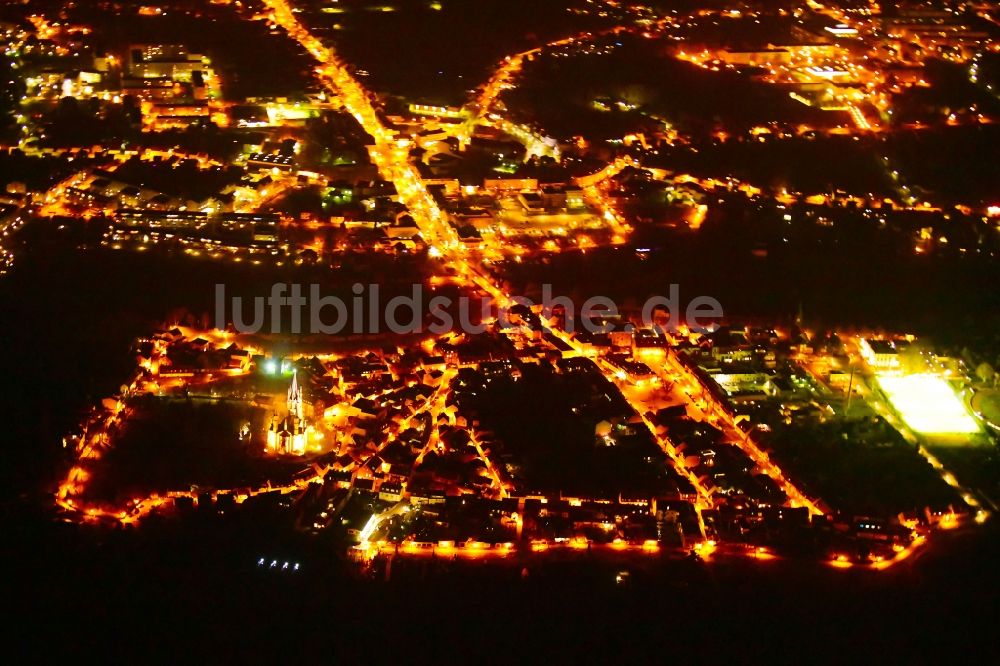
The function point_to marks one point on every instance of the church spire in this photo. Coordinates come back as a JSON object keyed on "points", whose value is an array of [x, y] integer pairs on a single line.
{"points": [[295, 397]]}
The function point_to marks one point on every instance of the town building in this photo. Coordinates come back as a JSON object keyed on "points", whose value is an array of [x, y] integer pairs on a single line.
{"points": [[880, 354], [164, 61]]}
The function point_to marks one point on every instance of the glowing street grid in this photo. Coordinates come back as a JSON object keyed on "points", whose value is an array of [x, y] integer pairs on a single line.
{"points": [[928, 404]]}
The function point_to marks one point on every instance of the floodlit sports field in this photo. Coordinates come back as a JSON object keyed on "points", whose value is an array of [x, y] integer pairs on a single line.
{"points": [[928, 404]]}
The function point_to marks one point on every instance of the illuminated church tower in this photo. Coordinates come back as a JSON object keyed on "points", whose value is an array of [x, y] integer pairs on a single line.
{"points": [[288, 434], [295, 397]]}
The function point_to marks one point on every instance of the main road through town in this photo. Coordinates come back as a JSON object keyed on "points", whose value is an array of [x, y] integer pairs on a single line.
{"points": [[391, 156]]}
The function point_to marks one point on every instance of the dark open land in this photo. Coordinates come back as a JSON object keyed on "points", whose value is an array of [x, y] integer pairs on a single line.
{"points": [[172, 588], [949, 95], [840, 275], [438, 55], [974, 462], [37, 172], [954, 165], [945, 165], [546, 423], [176, 444], [817, 165], [556, 93], [861, 468]]}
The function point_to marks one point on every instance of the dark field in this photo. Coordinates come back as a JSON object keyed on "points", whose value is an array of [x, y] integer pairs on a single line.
{"points": [[437, 55], [975, 463], [810, 166], [172, 589], [176, 444], [546, 421], [861, 470], [556, 93], [839, 276], [954, 165]]}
